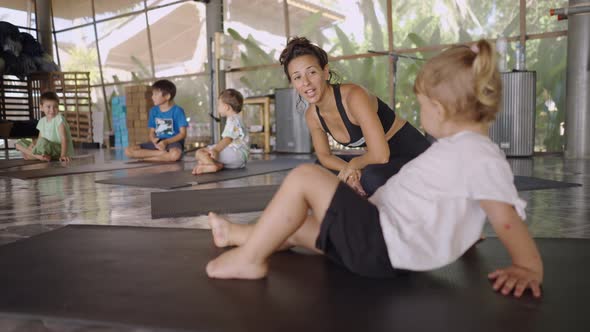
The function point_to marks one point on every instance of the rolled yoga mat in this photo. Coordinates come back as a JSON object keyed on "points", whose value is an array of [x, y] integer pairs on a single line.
{"points": [[155, 278]]}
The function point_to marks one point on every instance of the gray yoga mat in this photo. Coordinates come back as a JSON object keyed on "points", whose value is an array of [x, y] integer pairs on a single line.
{"points": [[180, 179], [9, 163], [188, 203], [154, 278], [525, 183], [60, 170]]}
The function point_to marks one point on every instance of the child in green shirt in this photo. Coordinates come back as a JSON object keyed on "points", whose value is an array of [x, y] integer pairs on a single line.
{"points": [[55, 140]]}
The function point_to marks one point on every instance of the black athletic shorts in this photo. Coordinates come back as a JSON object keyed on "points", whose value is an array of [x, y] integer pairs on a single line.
{"points": [[152, 146], [351, 235]]}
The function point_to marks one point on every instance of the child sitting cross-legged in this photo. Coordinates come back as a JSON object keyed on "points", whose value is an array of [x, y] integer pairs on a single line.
{"points": [[232, 151], [55, 140], [424, 217], [167, 123]]}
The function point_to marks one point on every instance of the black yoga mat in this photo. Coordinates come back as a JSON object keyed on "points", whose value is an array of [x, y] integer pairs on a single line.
{"points": [[188, 203], [179, 179], [525, 183], [9, 163], [155, 278], [60, 170]]}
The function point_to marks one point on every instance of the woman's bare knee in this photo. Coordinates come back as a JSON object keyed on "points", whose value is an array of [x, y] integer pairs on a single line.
{"points": [[304, 171]]}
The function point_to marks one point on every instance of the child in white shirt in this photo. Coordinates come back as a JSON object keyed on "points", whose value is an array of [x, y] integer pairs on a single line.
{"points": [[232, 151], [424, 217]]}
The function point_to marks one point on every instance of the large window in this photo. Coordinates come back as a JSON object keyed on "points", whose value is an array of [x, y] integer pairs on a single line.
{"points": [[548, 57], [124, 49], [538, 19], [77, 51], [348, 29], [71, 14], [124, 42], [21, 14], [178, 39], [258, 29], [433, 22]]}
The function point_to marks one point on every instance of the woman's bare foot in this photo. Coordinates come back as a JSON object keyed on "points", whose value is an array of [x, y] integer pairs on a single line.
{"points": [[220, 228], [206, 168], [235, 264]]}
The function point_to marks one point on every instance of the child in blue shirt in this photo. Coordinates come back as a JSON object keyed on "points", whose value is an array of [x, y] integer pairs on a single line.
{"points": [[167, 123]]}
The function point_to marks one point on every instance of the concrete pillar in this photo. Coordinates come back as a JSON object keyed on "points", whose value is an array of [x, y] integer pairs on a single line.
{"points": [[214, 17], [43, 15], [577, 121]]}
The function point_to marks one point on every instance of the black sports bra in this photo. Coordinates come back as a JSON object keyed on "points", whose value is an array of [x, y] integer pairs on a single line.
{"points": [[386, 116]]}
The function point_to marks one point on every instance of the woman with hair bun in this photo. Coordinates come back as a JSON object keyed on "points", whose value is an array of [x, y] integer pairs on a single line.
{"points": [[353, 117]]}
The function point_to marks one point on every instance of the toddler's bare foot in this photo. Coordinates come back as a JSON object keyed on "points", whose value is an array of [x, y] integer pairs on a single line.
{"points": [[206, 168], [234, 264], [220, 230]]}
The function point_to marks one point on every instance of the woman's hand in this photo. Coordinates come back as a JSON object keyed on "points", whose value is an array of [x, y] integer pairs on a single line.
{"points": [[355, 183], [352, 177], [348, 172], [516, 278], [65, 158]]}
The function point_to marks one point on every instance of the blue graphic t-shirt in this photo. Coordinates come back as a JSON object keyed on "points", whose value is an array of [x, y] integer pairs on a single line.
{"points": [[167, 124]]}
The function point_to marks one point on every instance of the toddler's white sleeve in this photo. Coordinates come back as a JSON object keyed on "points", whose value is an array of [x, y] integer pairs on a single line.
{"points": [[492, 179]]}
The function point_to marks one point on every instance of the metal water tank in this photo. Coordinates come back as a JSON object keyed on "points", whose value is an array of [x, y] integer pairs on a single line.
{"points": [[292, 132], [514, 128]]}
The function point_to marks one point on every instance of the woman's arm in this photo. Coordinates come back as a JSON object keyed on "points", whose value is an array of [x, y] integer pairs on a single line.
{"points": [[320, 143], [526, 270], [358, 103]]}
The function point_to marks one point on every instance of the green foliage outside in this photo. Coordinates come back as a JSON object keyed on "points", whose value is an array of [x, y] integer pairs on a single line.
{"points": [[416, 24], [426, 23]]}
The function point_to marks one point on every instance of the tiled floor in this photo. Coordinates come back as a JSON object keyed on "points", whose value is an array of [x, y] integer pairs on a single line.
{"points": [[29, 207]]}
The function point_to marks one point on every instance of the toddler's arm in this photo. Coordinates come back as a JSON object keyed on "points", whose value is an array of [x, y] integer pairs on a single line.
{"points": [[526, 270], [220, 146], [64, 143]]}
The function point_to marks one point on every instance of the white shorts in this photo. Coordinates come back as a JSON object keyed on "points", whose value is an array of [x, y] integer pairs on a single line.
{"points": [[231, 158]]}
